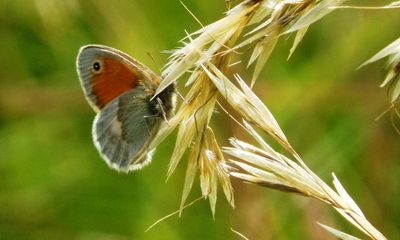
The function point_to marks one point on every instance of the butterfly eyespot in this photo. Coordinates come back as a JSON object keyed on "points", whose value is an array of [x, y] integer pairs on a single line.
{"points": [[96, 66]]}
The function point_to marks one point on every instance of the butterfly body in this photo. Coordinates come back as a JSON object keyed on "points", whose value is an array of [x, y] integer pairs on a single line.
{"points": [[121, 90]]}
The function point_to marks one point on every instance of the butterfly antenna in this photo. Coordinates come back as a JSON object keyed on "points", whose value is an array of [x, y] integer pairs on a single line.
{"points": [[154, 62]]}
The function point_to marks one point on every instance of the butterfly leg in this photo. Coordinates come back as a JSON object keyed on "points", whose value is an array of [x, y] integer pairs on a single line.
{"points": [[163, 111], [145, 121]]}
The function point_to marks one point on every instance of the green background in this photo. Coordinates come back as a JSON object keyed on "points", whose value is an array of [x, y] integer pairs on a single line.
{"points": [[53, 184]]}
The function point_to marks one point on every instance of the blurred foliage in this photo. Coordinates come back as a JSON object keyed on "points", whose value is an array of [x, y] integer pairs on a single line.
{"points": [[55, 186]]}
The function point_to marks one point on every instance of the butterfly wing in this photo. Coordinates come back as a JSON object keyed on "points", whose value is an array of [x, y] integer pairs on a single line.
{"points": [[123, 129], [106, 73], [120, 89]]}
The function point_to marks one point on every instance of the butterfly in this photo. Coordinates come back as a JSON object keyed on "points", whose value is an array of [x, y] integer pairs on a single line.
{"points": [[121, 91]]}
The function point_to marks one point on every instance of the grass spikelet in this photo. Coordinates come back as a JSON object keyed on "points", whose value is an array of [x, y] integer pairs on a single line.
{"points": [[205, 56], [392, 80], [194, 52], [393, 77], [266, 167], [209, 44], [282, 17], [247, 104]]}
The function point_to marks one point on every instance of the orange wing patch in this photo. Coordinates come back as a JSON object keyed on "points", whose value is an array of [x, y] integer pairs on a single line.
{"points": [[115, 78]]}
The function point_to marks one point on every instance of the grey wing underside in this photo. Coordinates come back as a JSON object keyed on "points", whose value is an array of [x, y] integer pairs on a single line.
{"points": [[123, 129]]}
